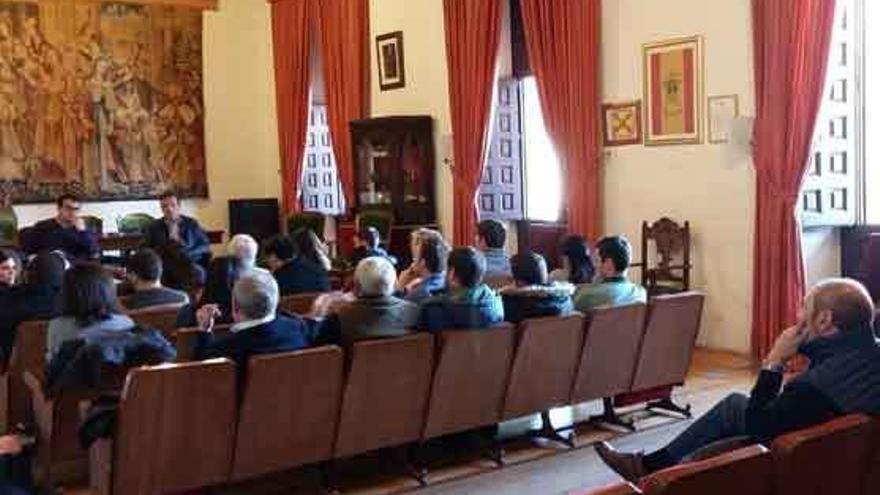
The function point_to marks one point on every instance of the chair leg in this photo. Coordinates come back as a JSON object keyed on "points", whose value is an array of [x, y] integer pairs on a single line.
{"points": [[414, 465], [547, 431], [610, 417], [667, 405], [329, 481], [491, 447]]}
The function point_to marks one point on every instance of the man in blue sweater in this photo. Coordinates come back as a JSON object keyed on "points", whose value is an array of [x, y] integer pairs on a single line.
{"points": [[836, 334], [65, 232]]}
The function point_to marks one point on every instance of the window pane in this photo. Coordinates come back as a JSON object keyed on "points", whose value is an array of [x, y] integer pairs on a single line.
{"points": [[543, 181]]}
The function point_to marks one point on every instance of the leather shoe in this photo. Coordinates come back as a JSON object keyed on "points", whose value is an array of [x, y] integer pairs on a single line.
{"points": [[628, 466]]}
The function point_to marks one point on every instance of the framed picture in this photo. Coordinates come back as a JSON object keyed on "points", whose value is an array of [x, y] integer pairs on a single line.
{"points": [[389, 54], [722, 110], [622, 123], [673, 77]]}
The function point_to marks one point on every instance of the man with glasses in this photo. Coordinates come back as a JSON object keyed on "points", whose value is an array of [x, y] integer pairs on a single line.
{"points": [[65, 232]]}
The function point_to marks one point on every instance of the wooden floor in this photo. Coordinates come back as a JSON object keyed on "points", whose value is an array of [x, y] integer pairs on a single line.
{"points": [[531, 466]]}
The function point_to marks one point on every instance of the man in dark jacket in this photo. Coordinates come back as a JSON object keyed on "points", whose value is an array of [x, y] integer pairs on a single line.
{"points": [[144, 272], [373, 312], [178, 229], [836, 334], [295, 274], [65, 232], [469, 303], [532, 295], [257, 328], [366, 244]]}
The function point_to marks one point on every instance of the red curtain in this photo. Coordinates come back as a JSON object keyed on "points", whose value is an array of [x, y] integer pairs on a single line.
{"points": [[345, 31], [290, 40], [472, 35], [791, 42], [563, 39]]}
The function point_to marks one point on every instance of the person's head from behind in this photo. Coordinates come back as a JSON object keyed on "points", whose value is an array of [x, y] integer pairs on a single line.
{"points": [[46, 270], [222, 275], [8, 268], [836, 305], [310, 247], [491, 234], [68, 209], [418, 237], [615, 255], [529, 268], [374, 277], [170, 205], [89, 294], [367, 237], [277, 251], [244, 249], [576, 259], [255, 296], [432, 255], [144, 267], [465, 268]]}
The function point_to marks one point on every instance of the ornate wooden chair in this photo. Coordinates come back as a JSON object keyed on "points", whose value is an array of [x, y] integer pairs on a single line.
{"points": [[94, 224], [133, 223], [313, 221], [666, 269]]}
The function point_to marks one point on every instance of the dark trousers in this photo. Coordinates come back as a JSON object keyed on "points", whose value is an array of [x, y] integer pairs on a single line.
{"points": [[726, 420]]}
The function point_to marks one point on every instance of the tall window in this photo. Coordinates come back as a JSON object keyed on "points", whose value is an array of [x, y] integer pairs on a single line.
{"points": [[833, 189], [522, 175]]}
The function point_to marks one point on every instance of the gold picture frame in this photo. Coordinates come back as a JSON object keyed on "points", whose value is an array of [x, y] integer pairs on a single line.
{"points": [[673, 91]]}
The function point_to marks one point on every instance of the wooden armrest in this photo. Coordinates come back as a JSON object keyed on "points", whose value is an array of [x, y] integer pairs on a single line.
{"points": [[101, 466], [33, 382]]}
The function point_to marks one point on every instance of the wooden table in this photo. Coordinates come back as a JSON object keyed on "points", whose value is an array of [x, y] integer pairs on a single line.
{"points": [[128, 242]]}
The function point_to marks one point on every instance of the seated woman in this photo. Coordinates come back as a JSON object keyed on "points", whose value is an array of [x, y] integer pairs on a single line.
{"points": [[577, 262], [533, 295], [35, 299], [223, 272], [310, 267], [90, 314], [426, 275]]}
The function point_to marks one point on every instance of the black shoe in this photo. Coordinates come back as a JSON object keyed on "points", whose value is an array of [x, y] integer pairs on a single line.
{"points": [[628, 466]]}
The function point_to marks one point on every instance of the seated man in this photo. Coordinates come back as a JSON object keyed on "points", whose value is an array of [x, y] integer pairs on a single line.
{"points": [[144, 272], [533, 295], [66, 232], [279, 252], [491, 236], [366, 244], [256, 328], [469, 303], [178, 229], [426, 275], [835, 333], [612, 288], [373, 312], [243, 248]]}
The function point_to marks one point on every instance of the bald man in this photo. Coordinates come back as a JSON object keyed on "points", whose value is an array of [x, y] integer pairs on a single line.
{"points": [[835, 332]]}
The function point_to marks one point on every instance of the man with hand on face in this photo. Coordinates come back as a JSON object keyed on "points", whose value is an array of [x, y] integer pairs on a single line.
{"points": [[180, 230], [65, 232], [835, 332]]}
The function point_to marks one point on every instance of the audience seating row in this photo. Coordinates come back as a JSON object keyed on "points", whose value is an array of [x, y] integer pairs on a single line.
{"points": [[841, 456], [320, 404]]}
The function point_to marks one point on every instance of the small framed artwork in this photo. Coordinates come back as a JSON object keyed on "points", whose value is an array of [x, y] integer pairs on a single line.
{"points": [[622, 123], [389, 54], [673, 79], [722, 110]]}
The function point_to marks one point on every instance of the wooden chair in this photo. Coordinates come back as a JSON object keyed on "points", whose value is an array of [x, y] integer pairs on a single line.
{"points": [[186, 341], [825, 459], [94, 224], [288, 411], [8, 227], [470, 379], [748, 470], [669, 270], [175, 431], [313, 221], [544, 366], [381, 220], [299, 304], [29, 354], [665, 355], [609, 357], [162, 318]]}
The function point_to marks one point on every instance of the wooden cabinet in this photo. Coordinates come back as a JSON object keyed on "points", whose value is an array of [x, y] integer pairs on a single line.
{"points": [[394, 167]]}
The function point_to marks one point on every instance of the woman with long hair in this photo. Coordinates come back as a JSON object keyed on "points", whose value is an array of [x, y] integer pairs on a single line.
{"points": [[577, 262]]}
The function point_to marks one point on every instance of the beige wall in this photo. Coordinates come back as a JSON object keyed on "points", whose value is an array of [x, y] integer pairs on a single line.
{"points": [[240, 123]]}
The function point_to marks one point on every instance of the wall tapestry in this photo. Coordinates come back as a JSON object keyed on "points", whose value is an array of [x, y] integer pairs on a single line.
{"points": [[102, 99]]}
